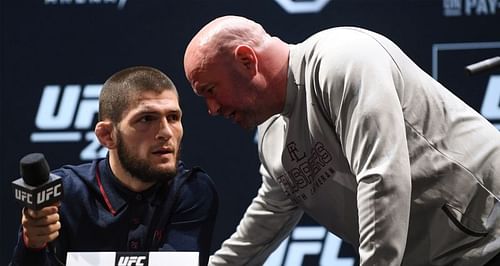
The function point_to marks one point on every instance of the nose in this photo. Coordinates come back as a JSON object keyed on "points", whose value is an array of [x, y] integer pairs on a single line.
{"points": [[213, 107], [164, 131]]}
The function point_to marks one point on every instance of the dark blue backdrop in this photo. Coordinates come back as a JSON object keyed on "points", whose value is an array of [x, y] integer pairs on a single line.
{"points": [[71, 46]]}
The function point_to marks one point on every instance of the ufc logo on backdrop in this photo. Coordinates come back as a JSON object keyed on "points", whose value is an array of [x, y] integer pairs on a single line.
{"points": [[66, 114], [309, 241], [303, 6]]}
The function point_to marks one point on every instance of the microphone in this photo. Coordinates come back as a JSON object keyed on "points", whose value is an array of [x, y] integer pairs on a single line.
{"points": [[37, 187], [483, 65]]}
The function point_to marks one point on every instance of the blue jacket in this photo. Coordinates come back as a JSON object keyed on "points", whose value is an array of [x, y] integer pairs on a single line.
{"points": [[98, 213]]}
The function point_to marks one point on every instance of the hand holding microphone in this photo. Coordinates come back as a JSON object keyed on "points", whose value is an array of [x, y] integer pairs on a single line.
{"points": [[40, 226], [39, 192]]}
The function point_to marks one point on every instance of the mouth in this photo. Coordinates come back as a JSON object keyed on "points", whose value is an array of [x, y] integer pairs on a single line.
{"points": [[163, 151]]}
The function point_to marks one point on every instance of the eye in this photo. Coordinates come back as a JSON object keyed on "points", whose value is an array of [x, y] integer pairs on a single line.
{"points": [[174, 117], [147, 118]]}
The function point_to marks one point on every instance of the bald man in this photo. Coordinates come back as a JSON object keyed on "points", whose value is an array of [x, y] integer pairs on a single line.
{"points": [[357, 136]]}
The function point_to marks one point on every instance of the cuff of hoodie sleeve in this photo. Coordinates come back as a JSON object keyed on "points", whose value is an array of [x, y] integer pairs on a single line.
{"points": [[25, 242], [28, 256]]}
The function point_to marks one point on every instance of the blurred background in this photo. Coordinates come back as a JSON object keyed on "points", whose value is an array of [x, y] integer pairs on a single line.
{"points": [[55, 55]]}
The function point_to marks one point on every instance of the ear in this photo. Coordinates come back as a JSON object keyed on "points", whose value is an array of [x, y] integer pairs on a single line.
{"points": [[104, 133], [247, 57]]}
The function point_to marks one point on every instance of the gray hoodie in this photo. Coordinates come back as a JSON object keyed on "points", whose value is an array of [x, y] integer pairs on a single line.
{"points": [[379, 153]]}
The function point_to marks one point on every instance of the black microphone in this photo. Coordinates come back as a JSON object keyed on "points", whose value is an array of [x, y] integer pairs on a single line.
{"points": [[37, 187], [483, 65]]}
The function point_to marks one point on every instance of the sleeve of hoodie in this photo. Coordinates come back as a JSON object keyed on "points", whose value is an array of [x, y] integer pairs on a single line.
{"points": [[24, 256], [360, 86], [267, 221]]}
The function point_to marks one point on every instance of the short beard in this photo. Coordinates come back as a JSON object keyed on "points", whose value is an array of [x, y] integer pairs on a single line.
{"points": [[140, 168]]}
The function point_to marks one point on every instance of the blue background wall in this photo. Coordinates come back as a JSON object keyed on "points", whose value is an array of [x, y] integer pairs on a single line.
{"points": [[65, 45]]}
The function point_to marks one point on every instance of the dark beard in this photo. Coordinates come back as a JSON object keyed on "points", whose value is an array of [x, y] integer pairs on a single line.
{"points": [[140, 168]]}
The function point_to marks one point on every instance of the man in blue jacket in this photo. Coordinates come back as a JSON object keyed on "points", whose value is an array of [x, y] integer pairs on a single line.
{"points": [[140, 197]]}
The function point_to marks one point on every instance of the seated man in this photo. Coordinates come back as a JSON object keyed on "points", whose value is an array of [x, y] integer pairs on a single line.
{"points": [[140, 197]]}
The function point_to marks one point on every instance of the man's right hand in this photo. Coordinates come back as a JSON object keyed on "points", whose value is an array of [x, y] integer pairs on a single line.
{"points": [[40, 226]]}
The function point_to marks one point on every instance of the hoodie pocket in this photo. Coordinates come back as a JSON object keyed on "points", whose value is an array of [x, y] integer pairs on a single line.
{"points": [[451, 235], [463, 223]]}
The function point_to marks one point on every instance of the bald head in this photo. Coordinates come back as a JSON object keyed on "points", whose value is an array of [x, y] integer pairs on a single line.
{"points": [[221, 36], [238, 68], [222, 30]]}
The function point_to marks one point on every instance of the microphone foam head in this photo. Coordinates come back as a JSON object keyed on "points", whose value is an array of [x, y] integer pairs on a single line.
{"points": [[34, 169]]}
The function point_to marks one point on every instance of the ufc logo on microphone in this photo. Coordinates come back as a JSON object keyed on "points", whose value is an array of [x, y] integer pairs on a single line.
{"points": [[40, 196], [131, 260], [23, 196], [49, 193]]}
